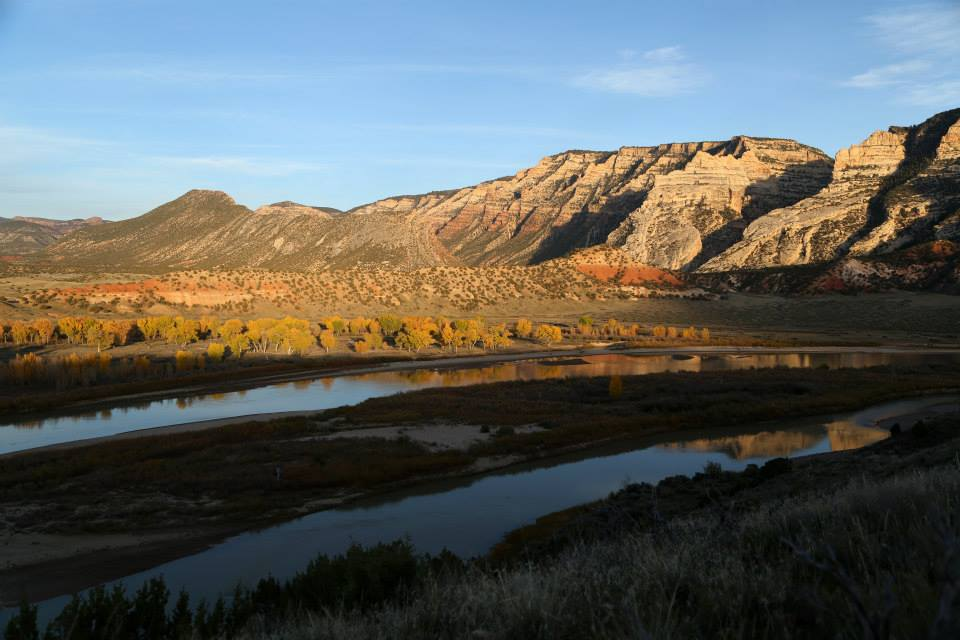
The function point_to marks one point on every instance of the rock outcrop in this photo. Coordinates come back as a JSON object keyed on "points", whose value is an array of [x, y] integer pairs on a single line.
{"points": [[692, 214], [897, 188]]}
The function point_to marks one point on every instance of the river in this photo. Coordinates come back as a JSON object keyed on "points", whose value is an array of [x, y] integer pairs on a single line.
{"points": [[470, 515], [329, 392]]}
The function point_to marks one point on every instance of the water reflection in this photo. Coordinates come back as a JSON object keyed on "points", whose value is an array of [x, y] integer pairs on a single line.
{"points": [[781, 444], [470, 515], [325, 393]]}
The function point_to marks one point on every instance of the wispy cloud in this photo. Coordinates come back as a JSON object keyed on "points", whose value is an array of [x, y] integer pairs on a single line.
{"points": [[927, 39], [475, 129], [935, 94], [658, 73], [173, 74], [245, 165], [921, 29], [891, 74], [275, 71], [18, 142], [442, 161], [27, 148]]}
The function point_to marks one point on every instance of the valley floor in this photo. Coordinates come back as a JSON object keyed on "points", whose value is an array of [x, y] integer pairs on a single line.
{"points": [[177, 493]]}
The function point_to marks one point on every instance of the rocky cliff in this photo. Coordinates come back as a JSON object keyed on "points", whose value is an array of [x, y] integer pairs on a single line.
{"points": [[897, 188], [693, 213]]}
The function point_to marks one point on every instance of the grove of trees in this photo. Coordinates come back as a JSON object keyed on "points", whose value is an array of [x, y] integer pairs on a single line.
{"points": [[233, 337]]}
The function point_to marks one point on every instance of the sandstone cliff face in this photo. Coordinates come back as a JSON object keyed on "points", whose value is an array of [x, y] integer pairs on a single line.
{"points": [[898, 188], [577, 198], [815, 229], [924, 203], [567, 201], [697, 211]]}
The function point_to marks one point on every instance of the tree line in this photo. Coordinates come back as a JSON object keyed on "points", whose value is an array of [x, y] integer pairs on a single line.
{"points": [[289, 335]]}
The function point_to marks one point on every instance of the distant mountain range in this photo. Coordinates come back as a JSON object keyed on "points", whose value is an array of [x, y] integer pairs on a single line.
{"points": [[20, 236], [731, 206]]}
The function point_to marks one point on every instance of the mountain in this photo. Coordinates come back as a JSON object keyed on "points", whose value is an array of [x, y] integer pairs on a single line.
{"points": [[208, 229], [737, 205], [567, 201], [20, 236], [898, 188]]}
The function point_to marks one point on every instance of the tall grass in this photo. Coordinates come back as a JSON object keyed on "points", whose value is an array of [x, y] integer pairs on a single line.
{"points": [[875, 559]]}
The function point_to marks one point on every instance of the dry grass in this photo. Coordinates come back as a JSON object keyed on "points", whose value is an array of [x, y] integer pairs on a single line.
{"points": [[874, 559]]}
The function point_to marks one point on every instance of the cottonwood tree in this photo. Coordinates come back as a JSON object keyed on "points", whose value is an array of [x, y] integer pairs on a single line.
{"points": [[389, 324], [43, 330], [21, 332], [414, 339], [215, 351], [585, 325], [523, 328], [327, 340], [548, 334]]}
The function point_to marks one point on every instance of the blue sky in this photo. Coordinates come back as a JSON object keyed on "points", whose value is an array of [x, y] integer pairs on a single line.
{"points": [[112, 107]]}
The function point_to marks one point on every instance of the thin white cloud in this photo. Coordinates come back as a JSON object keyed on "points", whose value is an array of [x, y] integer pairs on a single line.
{"points": [[204, 74], [922, 29], [173, 74], [927, 39], [443, 161], [888, 75], [934, 94], [660, 73], [476, 129], [664, 54], [239, 164], [18, 142]]}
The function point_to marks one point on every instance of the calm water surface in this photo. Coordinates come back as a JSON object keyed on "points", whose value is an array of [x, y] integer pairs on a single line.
{"points": [[326, 393], [469, 516]]}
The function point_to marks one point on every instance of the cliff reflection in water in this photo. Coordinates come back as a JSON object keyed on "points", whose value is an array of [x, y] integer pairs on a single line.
{"points": [[839, 436]]}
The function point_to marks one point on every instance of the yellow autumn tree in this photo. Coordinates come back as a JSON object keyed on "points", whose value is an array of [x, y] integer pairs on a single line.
{"points": [[327, 340], [215, 351], [548, 334], [523, 328]]}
